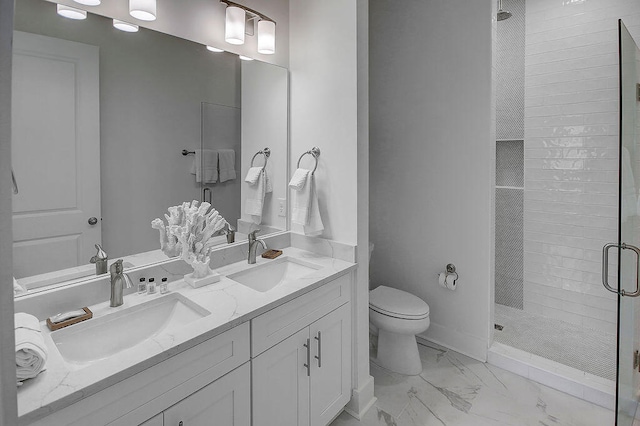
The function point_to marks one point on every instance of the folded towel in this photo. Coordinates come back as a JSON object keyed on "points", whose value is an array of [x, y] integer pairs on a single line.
{"points": [[268, 186], [253, 174], [255, 196], [305, 209], [31, 351], [205, 165], [227, 162], [298, 179], [17, 288]]}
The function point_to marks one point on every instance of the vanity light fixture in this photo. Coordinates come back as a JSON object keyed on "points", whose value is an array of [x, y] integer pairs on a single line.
{"points": [[125, 26], [71, 12], [234, 25], [214, 49], [88, 2], [236, 19], [144, 10], [245, 58]]}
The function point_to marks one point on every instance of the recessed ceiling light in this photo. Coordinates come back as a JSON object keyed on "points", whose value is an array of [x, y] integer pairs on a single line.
{"points": [[214, 49], [245, 58], [71, 12], [125, 26]]}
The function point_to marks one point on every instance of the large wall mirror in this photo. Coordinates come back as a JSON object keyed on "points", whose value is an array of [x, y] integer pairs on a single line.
{"points": [[100, 121]]}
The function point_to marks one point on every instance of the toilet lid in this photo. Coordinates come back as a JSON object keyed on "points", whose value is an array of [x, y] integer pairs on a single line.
{"points": [[397, 303]]}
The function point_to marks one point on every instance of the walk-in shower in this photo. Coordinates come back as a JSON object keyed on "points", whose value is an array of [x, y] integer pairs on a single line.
{"points": [[557, 127]]}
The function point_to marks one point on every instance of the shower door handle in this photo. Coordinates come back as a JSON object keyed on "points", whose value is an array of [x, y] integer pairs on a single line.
{"points": [[605, 268]]}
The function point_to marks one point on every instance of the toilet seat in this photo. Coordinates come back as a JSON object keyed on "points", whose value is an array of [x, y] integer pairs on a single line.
{"points": [[397, 303]]}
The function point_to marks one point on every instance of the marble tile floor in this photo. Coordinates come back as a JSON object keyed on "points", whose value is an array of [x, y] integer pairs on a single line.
{"points": [[455, 390]]}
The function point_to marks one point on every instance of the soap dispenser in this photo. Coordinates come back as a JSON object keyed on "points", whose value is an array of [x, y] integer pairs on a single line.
{"points": [[100, 259]]}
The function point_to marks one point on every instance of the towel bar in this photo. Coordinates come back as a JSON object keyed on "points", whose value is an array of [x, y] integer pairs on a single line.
{"points": [[266, 152], [315, 152], [185, 152]]}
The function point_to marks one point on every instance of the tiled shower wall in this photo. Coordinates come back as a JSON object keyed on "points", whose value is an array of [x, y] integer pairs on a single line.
{"points": [[510, 43], [571, 155]]}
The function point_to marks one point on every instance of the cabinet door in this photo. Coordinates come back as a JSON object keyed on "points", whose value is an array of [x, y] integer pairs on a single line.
{"points": [[225, 402], [281, 383], [331, 365], [154, 421]]}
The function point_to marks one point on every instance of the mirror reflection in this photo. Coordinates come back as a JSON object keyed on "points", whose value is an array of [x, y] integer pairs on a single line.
{"points": [[100, 120]]}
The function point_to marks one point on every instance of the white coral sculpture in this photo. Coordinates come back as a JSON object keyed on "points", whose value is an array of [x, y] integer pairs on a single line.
{"points": [[188, 232]]}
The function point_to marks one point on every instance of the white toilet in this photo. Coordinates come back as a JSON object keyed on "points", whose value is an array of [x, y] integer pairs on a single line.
{"points": [[398, 316]]}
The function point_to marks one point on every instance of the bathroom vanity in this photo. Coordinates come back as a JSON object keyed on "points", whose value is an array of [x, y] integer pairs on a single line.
{"points": [[235, 351]]}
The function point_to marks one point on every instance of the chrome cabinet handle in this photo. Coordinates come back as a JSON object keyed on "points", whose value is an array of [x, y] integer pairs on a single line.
{"points": [[204, 195], [308, 364], [319, 356], [605, 268]]}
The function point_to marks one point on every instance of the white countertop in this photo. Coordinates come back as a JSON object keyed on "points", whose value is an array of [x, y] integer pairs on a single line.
{"points": [[229, 302]]}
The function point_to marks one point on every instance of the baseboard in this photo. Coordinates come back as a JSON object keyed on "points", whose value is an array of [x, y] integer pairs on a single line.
{"points": [[463, 343], [361, 400]]}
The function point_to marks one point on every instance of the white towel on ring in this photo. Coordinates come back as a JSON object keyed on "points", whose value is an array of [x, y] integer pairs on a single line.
{"points": [[305, 209], [205, 165], [299, 179], [254, 203], [31, 351], [227, 164]]}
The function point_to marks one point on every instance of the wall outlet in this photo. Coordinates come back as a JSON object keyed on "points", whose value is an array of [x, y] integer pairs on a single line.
{"points": [[282, 207]]}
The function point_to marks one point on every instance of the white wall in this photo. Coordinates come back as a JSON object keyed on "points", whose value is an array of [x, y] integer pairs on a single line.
{"points": [[432, 160], [8, 404], [265, 108], [571, 156], [202, 21], [324, 107]]}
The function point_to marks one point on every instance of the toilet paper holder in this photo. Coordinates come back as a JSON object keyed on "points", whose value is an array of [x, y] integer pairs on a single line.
{"points": [[451, 269], [448, 279]]}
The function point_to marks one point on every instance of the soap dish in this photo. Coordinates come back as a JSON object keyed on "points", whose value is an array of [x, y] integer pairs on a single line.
{"points": [[271, 254], [58, 325]]}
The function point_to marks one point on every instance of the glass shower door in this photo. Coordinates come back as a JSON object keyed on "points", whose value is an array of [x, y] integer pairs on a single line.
{"points": [[628, 378]]}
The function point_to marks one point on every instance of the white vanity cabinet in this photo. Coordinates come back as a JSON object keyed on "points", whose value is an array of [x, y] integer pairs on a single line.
{"points": [[305, 379]]}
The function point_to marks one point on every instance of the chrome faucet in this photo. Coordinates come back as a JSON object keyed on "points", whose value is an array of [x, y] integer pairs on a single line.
{"points": [[253, 245], [118, 281]]}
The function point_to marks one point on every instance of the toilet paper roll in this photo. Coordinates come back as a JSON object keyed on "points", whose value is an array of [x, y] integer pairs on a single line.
{"points": [[448, 281]]}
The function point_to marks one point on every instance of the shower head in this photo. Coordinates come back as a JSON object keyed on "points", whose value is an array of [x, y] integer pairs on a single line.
{"points": [[502, 14]]}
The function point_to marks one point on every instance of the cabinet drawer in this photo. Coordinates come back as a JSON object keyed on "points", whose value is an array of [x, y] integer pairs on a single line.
{"points": [[279, 323]]}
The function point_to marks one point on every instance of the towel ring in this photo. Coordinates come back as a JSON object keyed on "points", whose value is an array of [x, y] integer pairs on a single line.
{"points": [[266, 152], [315, 152]]}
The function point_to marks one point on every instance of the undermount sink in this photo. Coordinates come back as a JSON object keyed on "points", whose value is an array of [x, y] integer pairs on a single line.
{"points": [[266, 276], [99, 338]]}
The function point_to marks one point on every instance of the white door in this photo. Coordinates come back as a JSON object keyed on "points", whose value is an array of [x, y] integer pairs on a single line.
{"points": [[331, 365], [281, 383], [55, 153], [225, 402]]}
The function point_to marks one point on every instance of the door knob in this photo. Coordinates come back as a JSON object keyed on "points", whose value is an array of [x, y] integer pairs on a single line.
{"points": [[92, 221]]}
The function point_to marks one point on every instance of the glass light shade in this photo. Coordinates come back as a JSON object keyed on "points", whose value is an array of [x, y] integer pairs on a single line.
{"points": [[214, 49], [144, 10], [267, 37], [125, 26], [245, 58], [71, 12], [234, 25], [88, 2]]}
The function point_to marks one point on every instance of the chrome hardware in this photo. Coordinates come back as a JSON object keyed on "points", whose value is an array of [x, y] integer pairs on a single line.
{"points": [[266, 152], [451, 268], [636, 360], [185, 153], [308, 364], [100, 259], [118, 281], [180, 424], [605, 268], [319, 356], [93, 221], [204, 195], [231, 234], [315, 152], [253, 245], [14, 182]]}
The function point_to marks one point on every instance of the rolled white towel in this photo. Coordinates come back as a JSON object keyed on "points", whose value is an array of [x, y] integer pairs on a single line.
{"points": [[31, 351]]}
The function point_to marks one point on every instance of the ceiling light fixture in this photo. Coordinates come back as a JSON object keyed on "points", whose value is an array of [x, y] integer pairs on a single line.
{"points": [[245, 58], [236, 18], [125, 26], [71, 12], [144, 10]]}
